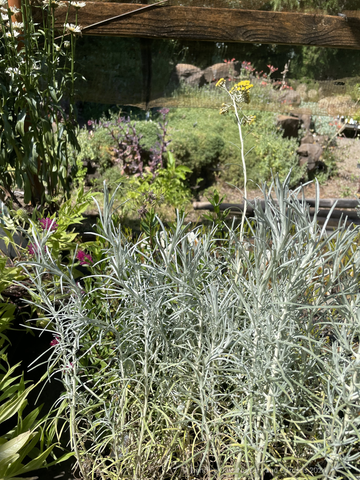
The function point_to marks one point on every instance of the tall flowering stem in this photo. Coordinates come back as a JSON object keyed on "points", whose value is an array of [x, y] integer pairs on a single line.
{"points": [[239, 94]]}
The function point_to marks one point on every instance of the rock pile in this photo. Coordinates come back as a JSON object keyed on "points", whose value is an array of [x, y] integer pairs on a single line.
{"points": [[195, 77], [311, 146]]}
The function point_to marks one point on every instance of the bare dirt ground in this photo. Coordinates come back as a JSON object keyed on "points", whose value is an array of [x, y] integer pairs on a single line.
{"points": [[345, 184]]}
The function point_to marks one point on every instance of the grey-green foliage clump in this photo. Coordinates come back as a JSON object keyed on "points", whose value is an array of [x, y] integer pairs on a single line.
{"points": [[187, 356]]}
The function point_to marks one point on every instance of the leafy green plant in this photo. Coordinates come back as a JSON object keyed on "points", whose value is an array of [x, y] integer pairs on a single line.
{"points": [[36, 74], [95, 146], [218, 217], [56, 227], [277, 155], [171, 183], [8, 275], [169, 186], [27, 446]]}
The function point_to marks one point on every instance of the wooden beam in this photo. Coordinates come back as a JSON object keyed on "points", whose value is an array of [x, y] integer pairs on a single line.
{"points": [[217, 24]]}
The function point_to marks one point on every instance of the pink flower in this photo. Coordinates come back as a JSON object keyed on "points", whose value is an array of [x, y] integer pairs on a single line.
{"points": [[164, 111], [84, 258], [33, 248], [48, 224], [55, 341]]}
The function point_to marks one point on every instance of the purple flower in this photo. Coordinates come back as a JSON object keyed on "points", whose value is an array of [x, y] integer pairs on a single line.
{"points": [[84, 258], [55, 341], [48, 224]]}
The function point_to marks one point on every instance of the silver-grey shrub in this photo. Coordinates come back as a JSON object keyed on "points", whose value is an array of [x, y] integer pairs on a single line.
{"points": [[212, 359]]}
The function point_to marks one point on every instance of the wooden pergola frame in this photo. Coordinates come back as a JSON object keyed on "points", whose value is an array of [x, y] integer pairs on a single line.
{"points": [[216, 24]]}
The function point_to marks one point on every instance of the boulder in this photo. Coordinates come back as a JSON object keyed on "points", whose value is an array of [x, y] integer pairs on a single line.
{"points": [[306, 121], [195, 80], [187, 73], [222, 70], [310, 154], [184, 70], [290, 97], [310, 165], [290, 125], [308, 139]]}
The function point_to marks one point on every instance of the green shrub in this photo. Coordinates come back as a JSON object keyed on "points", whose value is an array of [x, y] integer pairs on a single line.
{"points": [[200, 151], [95, 146], [203, 150], [170, 186], [273, 154]]}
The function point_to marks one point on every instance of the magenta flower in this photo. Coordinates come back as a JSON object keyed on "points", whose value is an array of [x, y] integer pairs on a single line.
{"points": [[33, 248], [84, 258], [48, 224], [55, 341]]}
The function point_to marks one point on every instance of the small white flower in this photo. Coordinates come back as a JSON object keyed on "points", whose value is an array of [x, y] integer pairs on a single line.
{"points": [[71, 28], [4, 17], [11, 70], [3, 2], [14, 10], [10, 35], [78, 4], [192, 238], [18, 25], [66, 44]]}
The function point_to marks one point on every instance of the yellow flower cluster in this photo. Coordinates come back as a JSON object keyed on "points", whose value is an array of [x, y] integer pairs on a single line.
{"points": [[243, 86], [239, 93], [220, 83]]}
